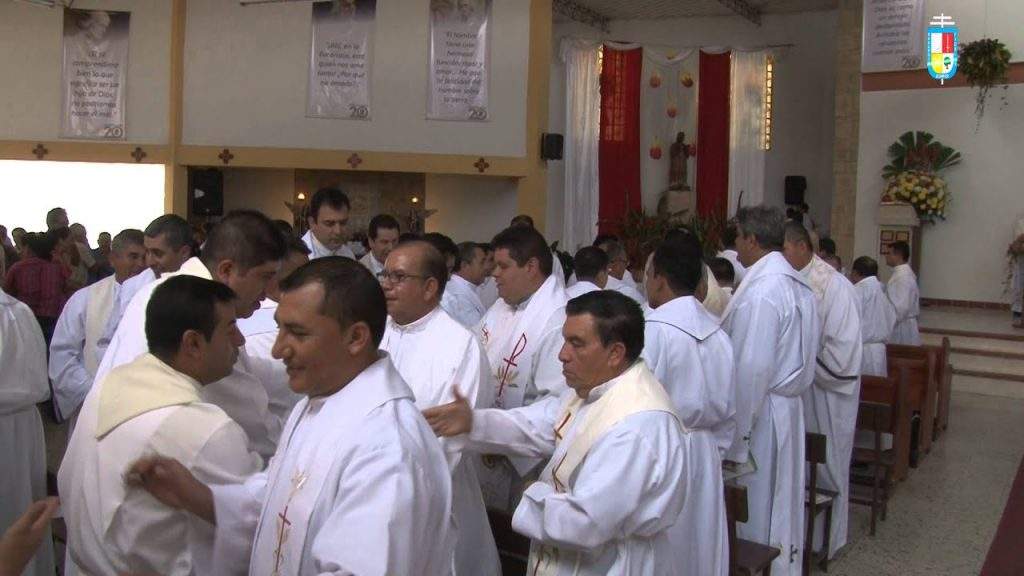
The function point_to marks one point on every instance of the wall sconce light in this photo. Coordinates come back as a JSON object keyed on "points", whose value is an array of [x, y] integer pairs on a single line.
{"points": [[301, 196], [415, 199]]}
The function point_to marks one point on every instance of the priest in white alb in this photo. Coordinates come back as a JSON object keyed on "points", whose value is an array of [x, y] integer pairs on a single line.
{"points": [[619, 462], [691, 355], [153, 405], [382, 236], [78, 345], [260, 332], [877, 316], [359, 483], [729, 253], [618, 269], [591, 269], [522, 334], [243, 251], [831, 404], [23, 384], [461, 298], [438, 357], [488, 289], [772, 321], [328, 224], [904, 294]]}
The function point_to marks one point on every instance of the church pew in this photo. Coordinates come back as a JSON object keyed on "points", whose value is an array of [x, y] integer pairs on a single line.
{"points": [[945, 388], [922, 391], [894, 392]]}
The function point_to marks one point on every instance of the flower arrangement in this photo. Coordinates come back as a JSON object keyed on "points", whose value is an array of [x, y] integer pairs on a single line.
{"points": [[912, 175]]}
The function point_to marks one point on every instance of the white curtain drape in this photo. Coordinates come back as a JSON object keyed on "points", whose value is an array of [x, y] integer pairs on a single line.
{"points": [[583, 124], [746, 129]]}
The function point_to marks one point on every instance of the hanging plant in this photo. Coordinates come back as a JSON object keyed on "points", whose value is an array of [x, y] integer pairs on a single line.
{"points": [[984, 63]]}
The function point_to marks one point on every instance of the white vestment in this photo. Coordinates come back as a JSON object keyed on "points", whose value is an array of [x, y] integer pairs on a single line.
{"points": [[144, 408], [359, 485], [461, 301], [241, 394], [127, 292], [738, 270], [773, 323], [692, 357], [580, 288], [610, 511], [318, 250], [716, 300], [831, 404], [436, 355], [522, 344], [488, 291], [903, 292], [626, 288], [877, 318], [78, 343], [260, 331], [371, 263], [23, 384]]}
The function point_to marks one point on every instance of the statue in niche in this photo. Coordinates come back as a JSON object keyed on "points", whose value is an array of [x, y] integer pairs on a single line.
{"points": [[678, 201]]}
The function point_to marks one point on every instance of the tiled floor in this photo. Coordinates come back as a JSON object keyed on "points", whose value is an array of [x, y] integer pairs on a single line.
{"points": [[976, 319], [942, 518]]}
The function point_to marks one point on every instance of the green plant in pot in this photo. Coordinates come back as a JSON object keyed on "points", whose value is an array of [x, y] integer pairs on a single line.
{"points": [[984, 63]]}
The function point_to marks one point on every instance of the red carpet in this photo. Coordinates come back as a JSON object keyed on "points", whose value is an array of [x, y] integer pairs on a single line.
{"points": [[1006, 555]]}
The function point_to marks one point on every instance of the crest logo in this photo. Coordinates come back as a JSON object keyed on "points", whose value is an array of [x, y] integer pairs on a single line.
{"points": [[941, 48]]}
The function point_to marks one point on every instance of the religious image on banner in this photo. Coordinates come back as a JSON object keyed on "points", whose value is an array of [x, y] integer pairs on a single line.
{"points": [[459, 60], [340, 60], [94, 73], [668, 132]]}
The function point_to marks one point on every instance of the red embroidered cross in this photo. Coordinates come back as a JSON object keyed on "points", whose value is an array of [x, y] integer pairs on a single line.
{"points": [[285, 523], [510, 362]]}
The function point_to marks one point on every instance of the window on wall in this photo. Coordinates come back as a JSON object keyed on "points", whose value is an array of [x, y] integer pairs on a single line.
{"points": [[769, 72], [103, 197]]}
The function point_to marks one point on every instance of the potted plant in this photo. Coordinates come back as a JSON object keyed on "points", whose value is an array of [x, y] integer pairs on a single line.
{"points": [[913, 174], [984, 64]]}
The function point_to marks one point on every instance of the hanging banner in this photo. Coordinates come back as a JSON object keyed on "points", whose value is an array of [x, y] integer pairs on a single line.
{"points": [[893, 32], [459, 60], [339, 63], [93, 75]]}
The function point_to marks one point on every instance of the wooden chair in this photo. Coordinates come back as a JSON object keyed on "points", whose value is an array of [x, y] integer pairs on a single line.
{"points": [[817, 500], [746, 558], [945, 388], [874, 488], [922, 393], [513, 548], [893, 392]]}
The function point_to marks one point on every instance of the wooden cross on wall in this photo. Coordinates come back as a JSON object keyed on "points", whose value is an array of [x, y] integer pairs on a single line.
{"points": [[354, 160], [226, 156], [138, 154], [40, 151], [481, 165]]}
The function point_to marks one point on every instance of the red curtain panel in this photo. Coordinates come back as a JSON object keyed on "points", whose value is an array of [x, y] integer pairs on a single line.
{"points": [[619, 143], [713, 135]]}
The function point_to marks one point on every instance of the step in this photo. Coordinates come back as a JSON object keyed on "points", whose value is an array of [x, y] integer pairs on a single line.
{"points": [[1012, 368], [1017, 336], [978, 346], [988, 386]]}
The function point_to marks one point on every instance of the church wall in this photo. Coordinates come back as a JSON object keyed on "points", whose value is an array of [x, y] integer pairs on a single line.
{"points": [[263, 189], [469, 208], [963, 257], [804, 92], [246, 71], [30, 42]]}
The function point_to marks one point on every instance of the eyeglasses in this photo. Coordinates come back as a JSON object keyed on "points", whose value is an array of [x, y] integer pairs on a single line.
{"points": [[395, 277]]}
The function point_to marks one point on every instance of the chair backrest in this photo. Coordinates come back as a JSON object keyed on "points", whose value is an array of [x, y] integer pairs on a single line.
{"points": [[735, 511], [816, 448], [876, 417], [878, 391]]}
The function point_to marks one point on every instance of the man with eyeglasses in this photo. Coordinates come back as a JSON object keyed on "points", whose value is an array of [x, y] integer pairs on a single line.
{"points": [[619, 277], [440, 360]]}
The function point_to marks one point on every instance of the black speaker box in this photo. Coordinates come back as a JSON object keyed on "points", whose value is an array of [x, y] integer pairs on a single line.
{"points": [[795, 188], [206, 191], [551, 146]]}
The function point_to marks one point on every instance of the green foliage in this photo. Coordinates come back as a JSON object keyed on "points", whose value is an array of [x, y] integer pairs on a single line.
{"points": [[985, 64], [919, 151]]}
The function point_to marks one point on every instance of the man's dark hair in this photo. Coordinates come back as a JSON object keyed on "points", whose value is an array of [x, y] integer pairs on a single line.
{"points": [[434, 265], [797, 234], [295, 245], [588, 262], [174, 229], [827, 246], [246, 237], [487, 247], [126, 238], [408, 237], [351, 293], [618, 319], [41, 244], [724, 273], [52, 215], [865, 267], [285, 227], [179, 304], [523, 244], [333, 197], [604, 239], [522, 221], [795, 215], [902, 249], [679, 260], [764, 223], [467, 251], [445, 245], [729, 236], [382, 221]]}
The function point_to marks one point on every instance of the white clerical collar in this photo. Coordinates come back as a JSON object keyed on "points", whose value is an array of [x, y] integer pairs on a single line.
{"points": [[320, 250], [415, 325]]}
